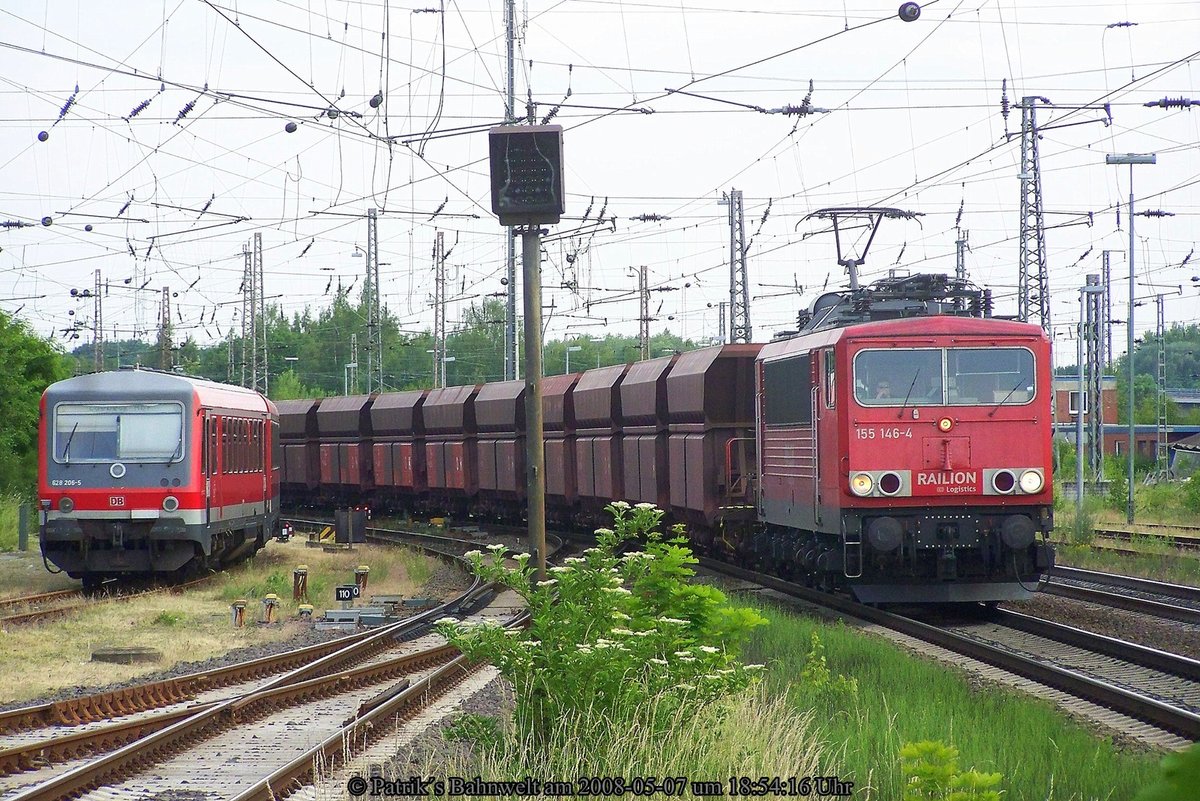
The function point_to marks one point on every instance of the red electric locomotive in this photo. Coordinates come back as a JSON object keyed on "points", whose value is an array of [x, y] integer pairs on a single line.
{"points": [[904, 446], [147, 473]]}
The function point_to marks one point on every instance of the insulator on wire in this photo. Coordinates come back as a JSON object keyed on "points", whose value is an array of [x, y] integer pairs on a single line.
{"points": [[1173, 102]]}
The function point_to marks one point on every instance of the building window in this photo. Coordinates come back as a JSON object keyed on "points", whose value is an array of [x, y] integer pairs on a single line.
{"points": [[1073, 403], [1117, 447]]}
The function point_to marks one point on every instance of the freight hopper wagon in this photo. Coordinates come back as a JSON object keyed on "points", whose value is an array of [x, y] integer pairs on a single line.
{"points": [[905, 442], [142, 473]]}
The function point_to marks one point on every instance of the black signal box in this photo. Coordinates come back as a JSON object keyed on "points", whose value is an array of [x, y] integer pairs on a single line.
{"points": [[527, 173]]}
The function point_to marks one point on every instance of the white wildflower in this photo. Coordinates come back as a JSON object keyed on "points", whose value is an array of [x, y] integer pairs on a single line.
{"points": [[687, 659], [470, 554], [447, 620], [756, 667], [585, 649], [522, 557], [559, 569], [683, 653], [623, 632], [574, 560], [654, 661], [708, 649], [547, 583], [674, 620], [646, 506], [620, 615], [497, 548], [607, 532], [687, 687], [531, 643], [646, 633], [620, 505]]}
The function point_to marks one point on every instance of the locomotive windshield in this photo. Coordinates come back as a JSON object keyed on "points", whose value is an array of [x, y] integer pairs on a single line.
{"points": [[126, 432], [944, 377]]}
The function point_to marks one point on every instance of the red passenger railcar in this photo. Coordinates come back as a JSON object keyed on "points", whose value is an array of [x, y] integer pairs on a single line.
{"points": [[148, 473], [908, 458]]}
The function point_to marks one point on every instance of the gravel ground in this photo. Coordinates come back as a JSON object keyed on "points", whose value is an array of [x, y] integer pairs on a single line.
{"points": [[431, 754], [1166, 635], [445, 582]]}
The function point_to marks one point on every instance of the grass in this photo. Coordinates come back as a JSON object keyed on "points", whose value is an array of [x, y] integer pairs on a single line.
{"points": [[1167, 564], [192, 626], [9, 504], [1040, 752], [749, 734]]}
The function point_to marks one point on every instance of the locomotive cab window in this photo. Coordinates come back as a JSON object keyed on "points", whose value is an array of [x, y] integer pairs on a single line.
{"points": [[896, 377], [126, 432], [990, 376]]}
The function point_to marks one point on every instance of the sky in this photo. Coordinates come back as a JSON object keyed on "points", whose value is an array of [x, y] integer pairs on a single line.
{"points": [[167, 149]]}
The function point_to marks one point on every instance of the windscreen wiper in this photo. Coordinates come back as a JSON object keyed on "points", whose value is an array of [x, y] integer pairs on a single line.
{"points": [[67, 447], [907, 395], [1016, 386]]}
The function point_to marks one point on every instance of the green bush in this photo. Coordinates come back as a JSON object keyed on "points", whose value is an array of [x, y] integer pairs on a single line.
{"points": [[610, 634], [1190, 491], [165, 618], [931, 773], [1180, 778]]}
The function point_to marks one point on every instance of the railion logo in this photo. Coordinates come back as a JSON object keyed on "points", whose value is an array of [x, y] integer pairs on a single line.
{"points": [[116, 500], [947, 477]]}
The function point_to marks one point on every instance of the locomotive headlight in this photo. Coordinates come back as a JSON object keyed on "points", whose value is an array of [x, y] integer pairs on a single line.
{"points": [[890, 484], [1003, 481], [66, 505], [861, 484], [945, 424], [1032, 481], [170, 503]]}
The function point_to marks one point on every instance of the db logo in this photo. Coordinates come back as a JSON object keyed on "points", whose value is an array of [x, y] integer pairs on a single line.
{"points": [[116, 500]]}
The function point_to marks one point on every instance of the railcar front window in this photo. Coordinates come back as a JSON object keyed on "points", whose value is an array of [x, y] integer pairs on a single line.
{"points": [[989, 376], [133, 432], [889, 377]]}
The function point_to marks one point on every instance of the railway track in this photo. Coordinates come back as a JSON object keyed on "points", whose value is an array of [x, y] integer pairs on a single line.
{"points": [[342, 693], [84, 600], [1165, 696], [324, 696], [1188, 540], [1133, 594]]}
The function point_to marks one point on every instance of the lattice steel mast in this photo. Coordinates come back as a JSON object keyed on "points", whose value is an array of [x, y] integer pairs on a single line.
{"points": [[1033, 281], [739, 282]]}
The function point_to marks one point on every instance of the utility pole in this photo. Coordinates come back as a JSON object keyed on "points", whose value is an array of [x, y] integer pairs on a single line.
{"points": [[1033, 284], [164, 331], [229, 368], [248, 314], [1161, 453], [510, 302], [643, 313], [98, 326], [1094, 356], [739, 282], [1107, 278], [439, 311], [374, 316], [960, 258], [724, 337], [260, 319]]}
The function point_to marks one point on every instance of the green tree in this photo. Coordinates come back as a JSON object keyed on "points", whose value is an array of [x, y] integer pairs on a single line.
{"points": [[28, 364]]}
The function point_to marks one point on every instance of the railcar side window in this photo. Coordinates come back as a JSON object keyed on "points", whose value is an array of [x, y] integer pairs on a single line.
{"points": [[787, 391], [127, 432], [888, 377], [830, 378], [990, 376]]}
